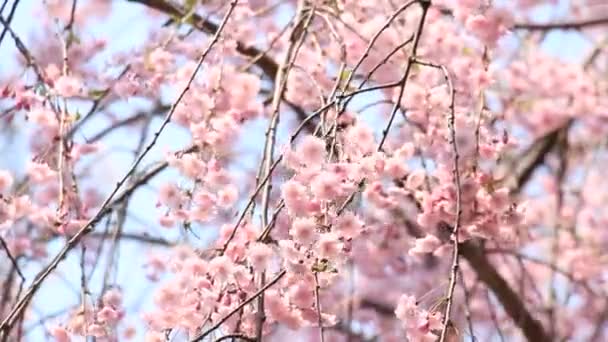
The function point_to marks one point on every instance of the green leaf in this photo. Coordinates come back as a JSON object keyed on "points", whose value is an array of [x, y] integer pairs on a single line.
{"points": [[97, 94]]}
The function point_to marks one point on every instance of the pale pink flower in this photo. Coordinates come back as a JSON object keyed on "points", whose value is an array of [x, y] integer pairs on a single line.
{"points": [[160, 60], [291, 158], [489, 27], [167, 221], [243, 97], [301, 295], [407, 311], [362, 138], [304, 230], [259, 255], [427, 244], [407, 150], [129, 332], [289, 251], [415, 179], [196, 266], [395, 168], [170, 195], [83, 149], [60, 334], [107, 315], [44, 117], [328, 246], [127, 87], [312, 151], [52, 71], [40, 173], [189, 165], [326, 186], [227, 196], [6, 180], [96, 330], [112, 298], [295, 197], [153, 336], [68, 86], [221, 267], [349, 225], [292, 319]]}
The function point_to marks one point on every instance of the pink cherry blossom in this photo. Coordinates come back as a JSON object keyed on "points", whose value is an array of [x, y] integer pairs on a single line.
{"points": [[259, 256], [68, 86], [44, 117], [6, 180], [227, 196], [60, 334], [328, 246], [427, 244], [312, 151], [349, 225], [170, 195], [303, 230], [40, 172], [295, 197]]}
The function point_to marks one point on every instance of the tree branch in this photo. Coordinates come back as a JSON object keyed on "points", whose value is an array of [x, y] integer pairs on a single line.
{"points": [[510, 300], [573, 25]]}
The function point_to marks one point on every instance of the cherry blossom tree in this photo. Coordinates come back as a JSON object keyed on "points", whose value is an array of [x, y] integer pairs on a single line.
{"points": [[307, 170]]}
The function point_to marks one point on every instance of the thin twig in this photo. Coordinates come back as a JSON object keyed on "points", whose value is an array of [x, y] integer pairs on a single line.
{"points": [[9, 19], [23, 50], [70, 24], [318, 307]]}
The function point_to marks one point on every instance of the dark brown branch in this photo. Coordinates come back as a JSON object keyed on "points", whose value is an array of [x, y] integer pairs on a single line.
{"points": [[510, 300], [380, 308], [139, 238], [9, 19], [126, 122], [523, 166], [572, 25]]}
